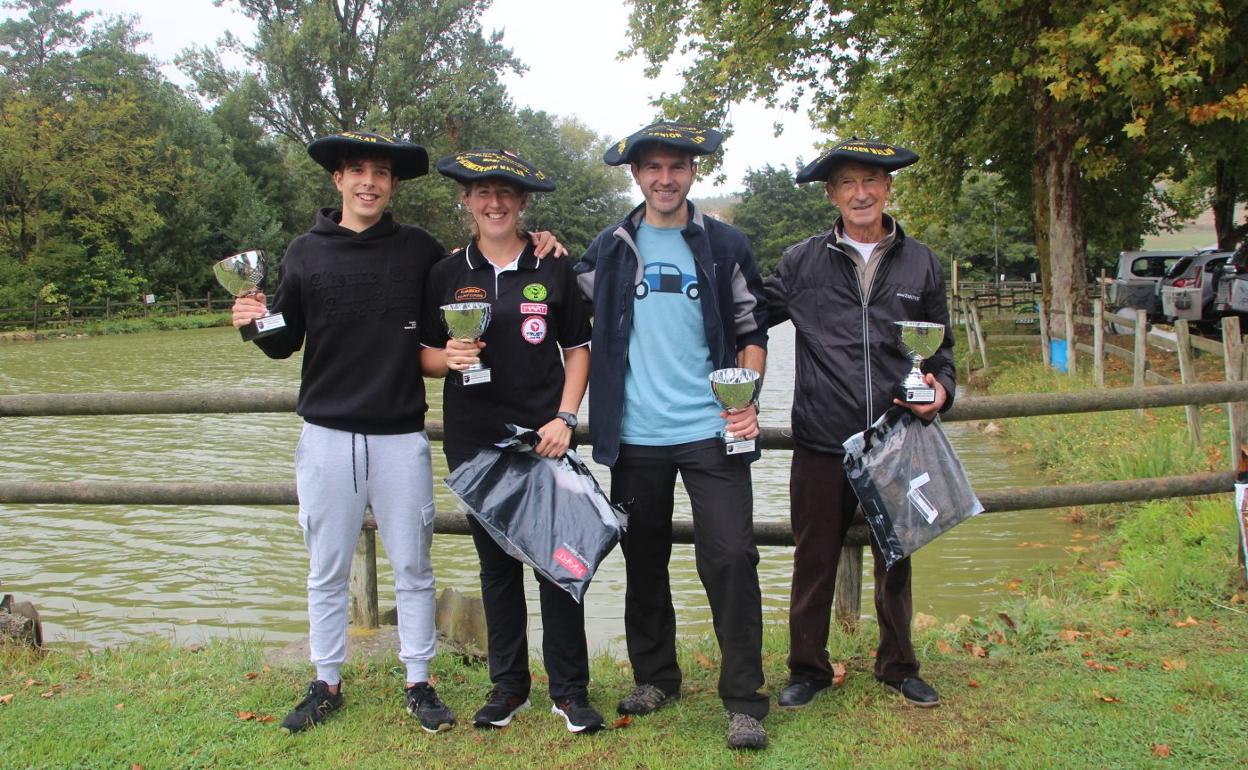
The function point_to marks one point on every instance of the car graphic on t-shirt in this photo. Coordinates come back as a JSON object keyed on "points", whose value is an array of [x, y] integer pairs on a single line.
{"points": [[666, 277]]}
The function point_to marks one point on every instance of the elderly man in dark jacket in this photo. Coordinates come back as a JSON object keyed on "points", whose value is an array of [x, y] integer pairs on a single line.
{"points": [[844, 289]]}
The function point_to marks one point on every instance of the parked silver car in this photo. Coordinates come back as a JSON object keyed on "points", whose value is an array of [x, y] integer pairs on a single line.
{"points": [[1188, 289], [1231, 295], [1135, 285]]}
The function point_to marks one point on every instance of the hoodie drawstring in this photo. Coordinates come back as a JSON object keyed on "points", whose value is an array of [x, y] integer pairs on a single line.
{"points": [[354, 485]]}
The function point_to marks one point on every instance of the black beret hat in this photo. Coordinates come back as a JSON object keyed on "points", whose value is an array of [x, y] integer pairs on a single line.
{"points": [[680, 136], [863, 151], [407, 160], [475, 165]]}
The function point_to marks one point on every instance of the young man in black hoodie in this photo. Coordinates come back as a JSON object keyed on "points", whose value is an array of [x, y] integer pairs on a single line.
{"points": [[350, 290]]}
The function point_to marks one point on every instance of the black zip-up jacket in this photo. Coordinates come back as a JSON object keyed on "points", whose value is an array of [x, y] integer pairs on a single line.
{"points": [[734, 313], [355, 299], [847, 353]]}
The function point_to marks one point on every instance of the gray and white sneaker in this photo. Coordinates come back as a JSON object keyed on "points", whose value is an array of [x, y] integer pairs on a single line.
{"points": [[645, 699], [745, 732]]}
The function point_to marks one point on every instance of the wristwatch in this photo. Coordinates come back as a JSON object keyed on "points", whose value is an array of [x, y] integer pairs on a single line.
{"points": [[568, 418]]}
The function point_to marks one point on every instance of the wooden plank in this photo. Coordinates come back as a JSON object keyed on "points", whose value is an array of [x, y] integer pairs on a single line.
{"points": [[979, 336], [847, 594], [1139, 359], [1071, 353], [1098, 343], [362, 588], [1044, 333], [1157, 379], [1207, 346], [1163, 341], [1232, 365], [1187, 374]]}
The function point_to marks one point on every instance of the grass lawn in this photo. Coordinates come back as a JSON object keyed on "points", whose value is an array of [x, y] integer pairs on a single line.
{"points": [[1132, 691]]}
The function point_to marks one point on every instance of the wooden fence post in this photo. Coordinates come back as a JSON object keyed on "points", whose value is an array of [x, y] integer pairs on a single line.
{"points": [[1070, 338], [108, 309], [365, 612], [1140, 358], [964, 307], [1098, 343], [177, 302], [1187, 375], [979, 336], [34, 321], [1232, 357], [847, 595], [1044, 332]]}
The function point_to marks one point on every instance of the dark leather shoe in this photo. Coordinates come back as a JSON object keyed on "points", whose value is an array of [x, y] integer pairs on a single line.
{"points": [[798, 694], [915, 690]]}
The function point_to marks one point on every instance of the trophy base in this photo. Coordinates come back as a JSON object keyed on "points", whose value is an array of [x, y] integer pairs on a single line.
{"points": [[470, 377], [915, 394], [736, 446], [263, 327]]}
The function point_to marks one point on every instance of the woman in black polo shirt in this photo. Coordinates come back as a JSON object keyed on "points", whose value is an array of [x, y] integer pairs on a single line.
{"points": [[537, 349]]}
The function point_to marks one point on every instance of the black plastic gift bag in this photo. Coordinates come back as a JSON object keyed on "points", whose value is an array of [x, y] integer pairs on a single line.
{"points": [[911, 484], [549, 513]]}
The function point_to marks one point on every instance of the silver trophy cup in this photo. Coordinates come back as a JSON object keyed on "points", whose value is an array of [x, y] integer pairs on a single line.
{"points": [[467, 321], [920, 340], [735, 389], [241, 275]]}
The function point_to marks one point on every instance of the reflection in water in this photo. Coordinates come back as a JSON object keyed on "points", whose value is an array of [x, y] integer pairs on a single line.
{"points": [[110, 573]]}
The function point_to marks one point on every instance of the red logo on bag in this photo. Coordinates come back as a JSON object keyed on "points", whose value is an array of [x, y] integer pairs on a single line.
{"points": [[570, 562]]}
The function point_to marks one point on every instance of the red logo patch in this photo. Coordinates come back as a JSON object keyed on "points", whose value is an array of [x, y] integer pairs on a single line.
{"points": [[532, 308], [570, 562], [533, 329], [469, 294]]}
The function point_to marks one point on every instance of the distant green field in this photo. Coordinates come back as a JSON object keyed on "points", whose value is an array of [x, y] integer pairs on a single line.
{"points": [[1190, 237]]}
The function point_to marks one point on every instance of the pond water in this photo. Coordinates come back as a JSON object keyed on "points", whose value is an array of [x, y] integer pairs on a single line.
{"points": [[107, 574]]}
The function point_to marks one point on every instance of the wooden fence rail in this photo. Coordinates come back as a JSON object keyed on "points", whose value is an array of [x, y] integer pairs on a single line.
{"points": [[42, 315], [364, 584]]}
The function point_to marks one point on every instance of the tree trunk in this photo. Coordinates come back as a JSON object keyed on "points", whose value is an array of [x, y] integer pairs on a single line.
{"points": [[1225, 190], [1041, 136], [1066, 280]]}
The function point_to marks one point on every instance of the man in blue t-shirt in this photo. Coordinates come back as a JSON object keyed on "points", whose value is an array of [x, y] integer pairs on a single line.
{"points": [[676, 296]]}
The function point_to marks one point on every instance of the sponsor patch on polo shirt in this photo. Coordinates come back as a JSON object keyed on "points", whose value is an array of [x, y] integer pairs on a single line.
{"points": [[533, 308], [469, 294], [535, 292], [533, 329]]}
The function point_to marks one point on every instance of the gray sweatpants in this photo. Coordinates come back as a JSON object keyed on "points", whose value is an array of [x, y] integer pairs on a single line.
{"points": [[337, 474]]}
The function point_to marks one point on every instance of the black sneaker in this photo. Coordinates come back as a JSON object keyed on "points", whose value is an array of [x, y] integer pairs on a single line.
{"points": [[499, 709], [645, 699], [315, 706], [424, 704], [745, 732], [579, 715]]}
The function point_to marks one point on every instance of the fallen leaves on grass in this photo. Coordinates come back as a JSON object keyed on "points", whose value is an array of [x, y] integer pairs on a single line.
{"points": [[51, 691], [1123, 632], [30, 683], [119, 706], [1191, 621], [1161, 750], [702, 660], [943, 647], [975, 649], [246, 716], [624, 721], [1105, 698], [972, 683], [1069, 634], [250, 675], [6, 699], [266, 718], [1176, 664]]}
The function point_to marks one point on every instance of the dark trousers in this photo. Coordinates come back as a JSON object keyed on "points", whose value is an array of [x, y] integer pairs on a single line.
{"points": [[643, 479], [564, 648], [822, 504]]}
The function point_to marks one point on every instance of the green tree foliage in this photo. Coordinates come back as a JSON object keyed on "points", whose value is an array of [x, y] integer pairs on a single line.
{"points": [[1048, 95], [776, 213], [404, 67], [112, 183]]}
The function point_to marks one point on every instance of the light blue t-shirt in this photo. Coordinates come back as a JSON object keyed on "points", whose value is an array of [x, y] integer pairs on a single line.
{"points": [[667, 397]]}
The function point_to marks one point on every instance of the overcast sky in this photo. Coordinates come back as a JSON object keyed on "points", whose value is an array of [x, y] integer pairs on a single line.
{"points": [[570, 48]]}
